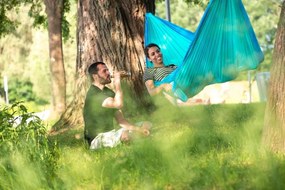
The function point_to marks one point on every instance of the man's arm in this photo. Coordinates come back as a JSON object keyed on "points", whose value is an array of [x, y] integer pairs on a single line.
{"points": [[117, 101], [128, 126]]}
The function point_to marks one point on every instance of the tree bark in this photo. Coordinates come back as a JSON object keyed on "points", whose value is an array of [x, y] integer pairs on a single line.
{"points": [[274, 129], [111, 31], [54, 11]]}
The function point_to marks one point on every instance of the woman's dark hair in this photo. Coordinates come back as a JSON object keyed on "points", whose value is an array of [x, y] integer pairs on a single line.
{"points": [[148, 47]]}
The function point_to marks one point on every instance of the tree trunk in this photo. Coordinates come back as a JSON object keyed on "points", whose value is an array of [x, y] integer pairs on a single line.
{"points": [[111, 31], [274, 129], [54, 11]]}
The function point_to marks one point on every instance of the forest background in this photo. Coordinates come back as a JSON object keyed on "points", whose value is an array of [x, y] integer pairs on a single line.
{"points": [[24, 54]]}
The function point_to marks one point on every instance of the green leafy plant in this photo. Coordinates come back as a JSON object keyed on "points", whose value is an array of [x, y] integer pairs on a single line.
{"points": [[24, 140]]}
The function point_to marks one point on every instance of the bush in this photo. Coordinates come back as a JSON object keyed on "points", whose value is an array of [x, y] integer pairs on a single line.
{"points": [[25, 150]]}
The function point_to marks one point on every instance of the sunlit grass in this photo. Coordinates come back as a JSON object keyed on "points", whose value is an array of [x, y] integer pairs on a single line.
{"points": [[199, 147]]}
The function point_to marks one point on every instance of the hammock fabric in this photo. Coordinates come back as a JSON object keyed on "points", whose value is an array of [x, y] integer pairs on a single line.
{"points": [[223, 45]]}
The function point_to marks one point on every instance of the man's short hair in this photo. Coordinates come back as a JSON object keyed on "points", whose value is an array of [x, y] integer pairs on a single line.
{"points": [[93, 68]]}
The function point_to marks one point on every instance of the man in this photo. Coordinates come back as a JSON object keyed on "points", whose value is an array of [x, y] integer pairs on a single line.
{"points": [[101, 106]]}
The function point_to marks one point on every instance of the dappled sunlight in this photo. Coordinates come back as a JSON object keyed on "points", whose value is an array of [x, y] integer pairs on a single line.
{"points": [[196, 147]]}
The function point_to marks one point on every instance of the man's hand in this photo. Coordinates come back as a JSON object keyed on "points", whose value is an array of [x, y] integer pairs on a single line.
{"points": [[145, 128], [143, 131], [146, 132], [117, 78], [117, 101]]}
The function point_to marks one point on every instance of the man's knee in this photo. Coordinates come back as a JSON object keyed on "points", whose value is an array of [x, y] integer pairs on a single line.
{"points": [[125, 137]]}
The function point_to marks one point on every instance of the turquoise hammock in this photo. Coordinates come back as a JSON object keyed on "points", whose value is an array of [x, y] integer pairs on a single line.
{"points": [[223, 45]]}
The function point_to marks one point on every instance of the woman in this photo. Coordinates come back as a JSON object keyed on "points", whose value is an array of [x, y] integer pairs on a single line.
{"points": [[158, 72]]}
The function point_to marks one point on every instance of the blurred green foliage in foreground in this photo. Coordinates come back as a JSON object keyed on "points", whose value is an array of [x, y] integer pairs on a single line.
{"points": [[197, 147]]}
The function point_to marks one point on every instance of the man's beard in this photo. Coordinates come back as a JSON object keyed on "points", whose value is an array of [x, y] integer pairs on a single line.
{"points": [[104, 80]]}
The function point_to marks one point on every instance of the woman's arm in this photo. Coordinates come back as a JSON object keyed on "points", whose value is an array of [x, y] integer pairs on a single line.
{"points": [[153, 90]]}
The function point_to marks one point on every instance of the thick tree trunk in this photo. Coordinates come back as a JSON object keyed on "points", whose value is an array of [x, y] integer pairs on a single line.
{"points": [[54, 11], [274, 129], [111, 31]]}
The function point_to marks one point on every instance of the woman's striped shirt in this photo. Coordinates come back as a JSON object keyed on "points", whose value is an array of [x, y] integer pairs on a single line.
{"points": [[158, 73]]}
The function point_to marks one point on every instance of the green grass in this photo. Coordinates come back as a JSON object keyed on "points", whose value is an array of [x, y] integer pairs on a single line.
{"points": [[198, 147]]}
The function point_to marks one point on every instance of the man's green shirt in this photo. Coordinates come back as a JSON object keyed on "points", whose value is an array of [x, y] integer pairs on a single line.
{"points": [[97, 119]]}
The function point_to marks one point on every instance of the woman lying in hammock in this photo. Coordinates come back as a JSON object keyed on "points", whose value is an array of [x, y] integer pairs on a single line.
{"points": [[158, 73]]}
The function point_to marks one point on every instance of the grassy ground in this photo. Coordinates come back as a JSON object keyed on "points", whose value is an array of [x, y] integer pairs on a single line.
{"points": [[197, 147]]}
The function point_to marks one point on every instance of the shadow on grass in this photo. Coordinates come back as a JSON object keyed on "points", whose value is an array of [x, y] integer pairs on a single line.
{"points": [[72, 138]]}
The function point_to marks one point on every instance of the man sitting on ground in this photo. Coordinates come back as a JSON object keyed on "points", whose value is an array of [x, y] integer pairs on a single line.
{"points": [[101, 106]]}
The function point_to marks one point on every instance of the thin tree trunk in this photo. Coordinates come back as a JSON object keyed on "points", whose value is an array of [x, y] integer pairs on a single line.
{"points": [[111, 31], [54, 11], [274, 129]]}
